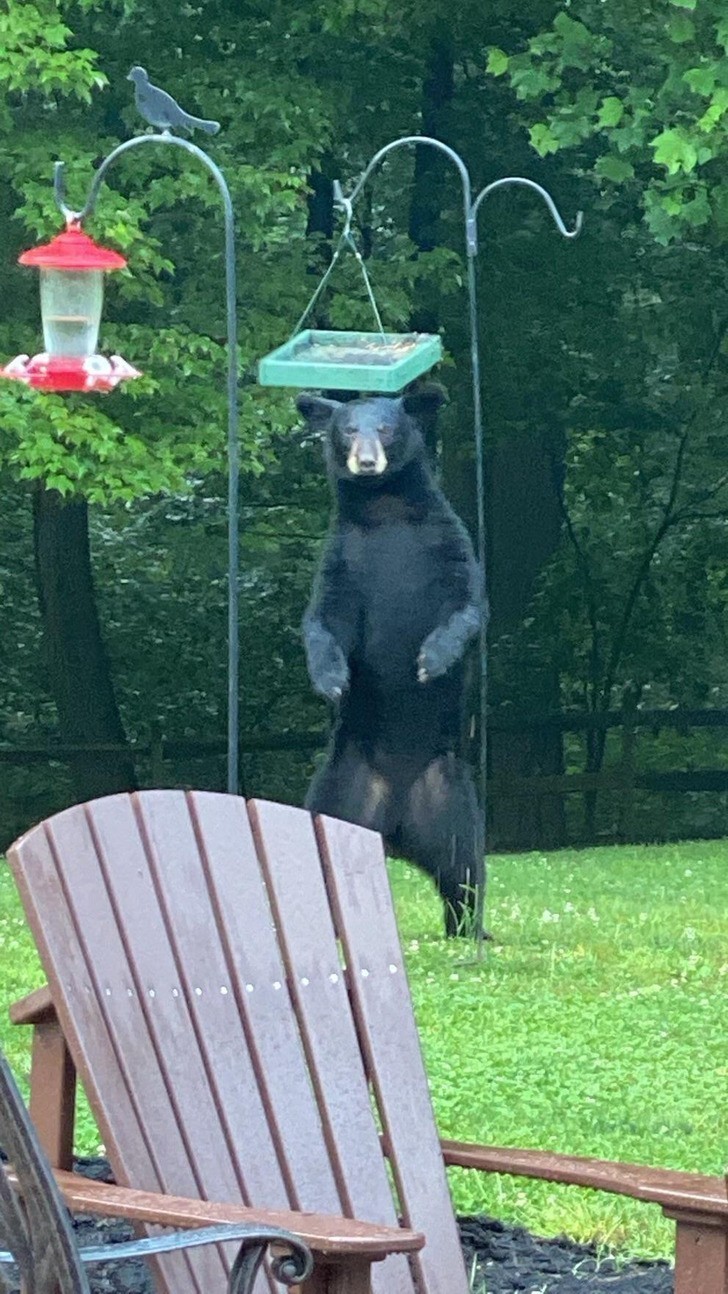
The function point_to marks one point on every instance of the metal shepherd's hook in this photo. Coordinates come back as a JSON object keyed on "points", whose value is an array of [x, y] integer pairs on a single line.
{"points": [[161, 111], [471, 210]]}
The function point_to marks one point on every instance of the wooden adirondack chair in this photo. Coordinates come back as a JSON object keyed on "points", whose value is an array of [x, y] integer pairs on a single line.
{"points": [[35, 1224], [227, 979]]}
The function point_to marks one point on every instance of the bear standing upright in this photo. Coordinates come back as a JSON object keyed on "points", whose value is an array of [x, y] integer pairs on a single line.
{"points": [[396, 599]]}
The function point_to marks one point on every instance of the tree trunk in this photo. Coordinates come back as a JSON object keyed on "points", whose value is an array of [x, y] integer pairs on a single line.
{"points": [[320, 201], [431, 169], [524, 529], [79, 678]]}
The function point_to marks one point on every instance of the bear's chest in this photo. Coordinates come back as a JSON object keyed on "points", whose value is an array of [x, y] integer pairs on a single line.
{"points": [[390, 555], [393, 572]]}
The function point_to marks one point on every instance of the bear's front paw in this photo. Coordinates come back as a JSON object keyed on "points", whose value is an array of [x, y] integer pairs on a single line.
{"points": [[435, 657], [330, 673]]}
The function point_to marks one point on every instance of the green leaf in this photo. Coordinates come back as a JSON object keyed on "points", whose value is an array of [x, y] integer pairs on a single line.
{"points": [[610, 112], [497, 61], [611, 167], [543, 140], [701, 80], [531, 82], [698, 211], [660, 223], [674, 150], [572, 32], [680, 28], [684, 4]]}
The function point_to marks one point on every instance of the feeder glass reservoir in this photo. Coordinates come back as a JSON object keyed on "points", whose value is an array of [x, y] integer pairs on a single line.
{"points": [[70, 303]]}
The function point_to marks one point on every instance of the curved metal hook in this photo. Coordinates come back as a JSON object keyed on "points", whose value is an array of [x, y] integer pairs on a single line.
{"points": [[76, 217], [537, 188], [59, 193], [165, 137], [347, 206], [399, 143], [415, 139]]}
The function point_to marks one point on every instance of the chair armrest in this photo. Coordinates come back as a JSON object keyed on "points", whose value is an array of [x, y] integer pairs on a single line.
{"points": [[324, 1234], [668, 1187], [34, 1008]]}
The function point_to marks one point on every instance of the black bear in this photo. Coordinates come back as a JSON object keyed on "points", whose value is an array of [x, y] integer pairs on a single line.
{"points": [[396, 600]]}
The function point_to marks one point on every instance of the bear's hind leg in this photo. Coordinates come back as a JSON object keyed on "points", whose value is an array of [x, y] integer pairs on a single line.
{"points": [[348, 787], [441, 831]]}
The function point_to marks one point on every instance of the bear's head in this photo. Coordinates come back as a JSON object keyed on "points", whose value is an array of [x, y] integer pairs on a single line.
{"points": [[375, 435]]}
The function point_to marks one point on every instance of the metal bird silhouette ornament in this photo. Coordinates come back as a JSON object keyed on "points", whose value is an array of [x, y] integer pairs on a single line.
{"points": [[161, 110]]}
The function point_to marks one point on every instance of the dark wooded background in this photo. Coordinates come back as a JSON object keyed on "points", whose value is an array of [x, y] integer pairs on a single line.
{"points": [[605, 390]]}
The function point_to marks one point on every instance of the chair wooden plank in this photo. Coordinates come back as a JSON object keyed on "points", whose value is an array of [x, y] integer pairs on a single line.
{"points": [[57, 924], [289, 851], [151, 991], [140, 988], [361, 897], [209, 875]]}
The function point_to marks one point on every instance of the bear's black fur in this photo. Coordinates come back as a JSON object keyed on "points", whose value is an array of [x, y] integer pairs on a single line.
{"points": [[395, 602]]}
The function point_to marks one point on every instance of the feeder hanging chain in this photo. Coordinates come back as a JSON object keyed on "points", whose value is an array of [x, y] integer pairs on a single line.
{"points": [[346, 239]]}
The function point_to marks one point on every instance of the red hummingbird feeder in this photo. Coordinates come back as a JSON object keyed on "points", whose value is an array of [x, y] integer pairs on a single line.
{"points": [[72, 268]]}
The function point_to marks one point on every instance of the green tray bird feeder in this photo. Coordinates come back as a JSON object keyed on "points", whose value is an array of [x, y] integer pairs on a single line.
{"points": [[349, 361]]}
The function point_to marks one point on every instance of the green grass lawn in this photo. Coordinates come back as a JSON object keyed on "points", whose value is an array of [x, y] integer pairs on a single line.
{"points": [[597, 1024]]}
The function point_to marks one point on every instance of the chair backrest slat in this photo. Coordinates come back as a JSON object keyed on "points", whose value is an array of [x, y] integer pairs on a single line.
{"points": [[195, 950], [61, 879], [290, 858], [243, 916], [361, 898]]}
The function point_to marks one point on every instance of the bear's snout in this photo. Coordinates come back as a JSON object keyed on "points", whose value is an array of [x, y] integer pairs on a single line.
{"points": [[366, 456]]}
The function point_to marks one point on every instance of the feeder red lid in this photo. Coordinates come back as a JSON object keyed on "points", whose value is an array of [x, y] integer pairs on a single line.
{"points": [[72, 250]]}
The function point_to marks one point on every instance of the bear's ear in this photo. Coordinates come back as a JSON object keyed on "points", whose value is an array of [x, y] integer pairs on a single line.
{"points": [[317, 411], [425, 400]]}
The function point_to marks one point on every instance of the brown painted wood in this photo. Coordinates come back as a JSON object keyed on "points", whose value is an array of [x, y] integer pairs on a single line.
{"points": [[193, 947], [155, 929], [289, 852], [34, 1007], [59, 869], [325, 1235], [341, 1278], [358, 884], [53, 1092], [255, 965], [701, 1254], [667, 1186]]}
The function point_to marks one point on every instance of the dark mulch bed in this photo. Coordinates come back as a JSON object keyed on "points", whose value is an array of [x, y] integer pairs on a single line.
{"points": [[508, 1260]]}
